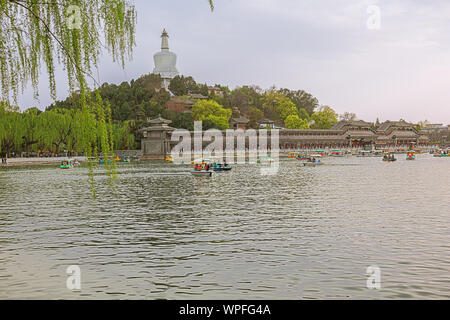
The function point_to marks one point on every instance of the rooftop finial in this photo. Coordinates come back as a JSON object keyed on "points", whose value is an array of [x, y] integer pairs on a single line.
{"points": [[165, 40]]}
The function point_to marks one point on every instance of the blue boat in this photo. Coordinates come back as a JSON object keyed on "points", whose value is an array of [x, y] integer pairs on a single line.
{"points": [[221, 167]]}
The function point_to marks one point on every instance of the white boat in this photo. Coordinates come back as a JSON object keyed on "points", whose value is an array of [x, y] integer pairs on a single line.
{"points": [[202, 173]]}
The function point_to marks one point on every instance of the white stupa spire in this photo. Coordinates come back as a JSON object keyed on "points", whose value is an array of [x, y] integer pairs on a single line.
{"points": [[164, 41]]}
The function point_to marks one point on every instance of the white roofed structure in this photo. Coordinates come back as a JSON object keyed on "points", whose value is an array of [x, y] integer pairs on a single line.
{"points": [[165, 61]]}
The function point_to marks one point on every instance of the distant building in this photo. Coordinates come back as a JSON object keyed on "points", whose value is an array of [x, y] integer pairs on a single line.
{"points": [[165, 62], [239, 123], [156, 138], [435, 126], [266, 123], [216, 90], [397, 135], [180, 104], [438, 134], [197, 96]]}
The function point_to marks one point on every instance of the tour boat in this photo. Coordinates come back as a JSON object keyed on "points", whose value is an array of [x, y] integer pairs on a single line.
{"points": [[389, 157], [221, 167], [293, 155], [66, 164], [302, 157], [126, 159], [320, 152], [336, 153], [315, 155], [411, 156], [442, 153], [264, 160]]}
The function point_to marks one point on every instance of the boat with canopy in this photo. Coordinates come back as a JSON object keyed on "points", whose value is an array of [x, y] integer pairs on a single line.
{"points": [[411, 155], [389, 157], [66, 164]]}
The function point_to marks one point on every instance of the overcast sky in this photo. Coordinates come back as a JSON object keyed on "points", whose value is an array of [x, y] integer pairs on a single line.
{"points": [[324, 47]]}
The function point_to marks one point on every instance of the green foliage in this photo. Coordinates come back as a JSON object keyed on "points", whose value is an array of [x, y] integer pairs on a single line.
{"points": [[183, 121], [303, 114], [58, 130], [243, 98], [181, 86], [123, 139], [278, 106], [324, 118], [11, 131], [301, 99], [348, 116], [293, 121], [137, 100], [212, 111], [254, 115]]}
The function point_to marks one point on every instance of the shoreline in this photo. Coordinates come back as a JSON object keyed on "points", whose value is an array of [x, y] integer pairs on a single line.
{"points": [[29, 162]]}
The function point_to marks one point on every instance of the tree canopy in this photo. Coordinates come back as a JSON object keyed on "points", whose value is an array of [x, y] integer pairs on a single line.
{"points": [[212, 111], [325, 118], [58, 130]]}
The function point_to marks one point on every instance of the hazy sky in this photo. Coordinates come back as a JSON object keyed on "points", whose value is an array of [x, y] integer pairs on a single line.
{"points": [[324, 47]]}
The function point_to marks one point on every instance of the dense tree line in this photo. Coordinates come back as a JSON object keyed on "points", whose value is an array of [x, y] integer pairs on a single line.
{"points": [[58, 130], [130, 104], [140, 99]]}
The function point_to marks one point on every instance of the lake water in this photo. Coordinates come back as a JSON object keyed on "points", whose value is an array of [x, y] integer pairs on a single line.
{"points": [[305, 233]]}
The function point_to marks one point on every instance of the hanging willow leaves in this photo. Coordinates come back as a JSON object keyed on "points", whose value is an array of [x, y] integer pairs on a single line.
{"points": [[68, 32]]}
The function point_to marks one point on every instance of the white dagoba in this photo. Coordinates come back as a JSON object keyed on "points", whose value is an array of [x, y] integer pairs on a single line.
{"points": [[165, 61]]}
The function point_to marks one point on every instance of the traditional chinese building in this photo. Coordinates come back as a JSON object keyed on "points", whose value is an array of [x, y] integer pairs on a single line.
{"points": [[239, 123], [156, 138], [180, 104], [345, 134]]}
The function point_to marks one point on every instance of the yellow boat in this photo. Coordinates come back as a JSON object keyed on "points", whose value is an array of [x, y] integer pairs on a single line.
{"points": [[293, 155], [169, 159]]}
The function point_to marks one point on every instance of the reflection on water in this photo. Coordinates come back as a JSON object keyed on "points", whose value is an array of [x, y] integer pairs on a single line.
{"points": [[304, 233]]}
